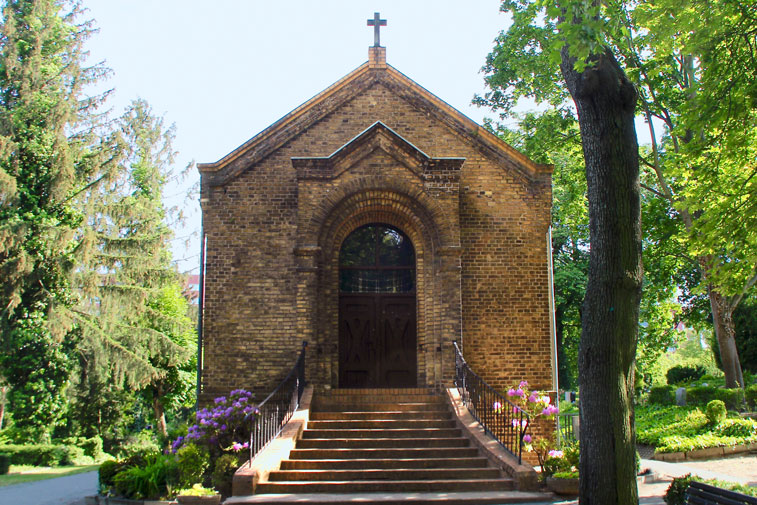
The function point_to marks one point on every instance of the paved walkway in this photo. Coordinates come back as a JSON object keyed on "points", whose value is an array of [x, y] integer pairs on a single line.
{"points": [[68, 490]]}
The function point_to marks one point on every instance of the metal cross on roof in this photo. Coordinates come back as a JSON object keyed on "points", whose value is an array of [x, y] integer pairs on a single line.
{"points": [[376, 23]]}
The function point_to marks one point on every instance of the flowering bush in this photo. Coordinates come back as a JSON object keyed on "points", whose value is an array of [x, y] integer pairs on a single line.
{"points": [[224, 427], [536, 404]]}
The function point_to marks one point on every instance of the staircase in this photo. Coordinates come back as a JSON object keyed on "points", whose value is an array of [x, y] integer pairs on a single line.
{"points": [[401, 443]]}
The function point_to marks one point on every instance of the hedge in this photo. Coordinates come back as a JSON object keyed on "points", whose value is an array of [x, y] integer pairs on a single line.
{"points": [[702, 395], [751, 396], [44, 454], [662, 395], [5, 463]]}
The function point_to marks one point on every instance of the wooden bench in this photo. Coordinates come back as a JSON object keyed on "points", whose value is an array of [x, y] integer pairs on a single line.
{"points": [[703, 494]]}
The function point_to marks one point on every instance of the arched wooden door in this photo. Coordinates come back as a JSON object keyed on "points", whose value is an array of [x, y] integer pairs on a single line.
{"points": [[377, 323]]}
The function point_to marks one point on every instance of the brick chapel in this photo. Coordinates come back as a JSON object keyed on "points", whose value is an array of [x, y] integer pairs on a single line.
{"points": [[380, 225]]}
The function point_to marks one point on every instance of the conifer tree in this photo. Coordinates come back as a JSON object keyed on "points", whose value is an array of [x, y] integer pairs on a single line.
{"points": [[42, 108]]}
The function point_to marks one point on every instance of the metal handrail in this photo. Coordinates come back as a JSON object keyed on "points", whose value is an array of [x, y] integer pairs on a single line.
{"points": [[270, 415], [500, 417]]}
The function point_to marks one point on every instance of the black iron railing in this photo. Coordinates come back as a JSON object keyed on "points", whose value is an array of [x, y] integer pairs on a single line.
{"points": [[501, 418], [277, 409]]}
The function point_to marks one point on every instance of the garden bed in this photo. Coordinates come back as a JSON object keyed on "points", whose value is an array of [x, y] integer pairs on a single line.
{"points": [[686, 430]]}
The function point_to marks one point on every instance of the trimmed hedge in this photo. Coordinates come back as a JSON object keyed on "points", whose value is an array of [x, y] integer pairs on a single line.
{"points": [[44, 454], [682, 374], [751, 396], [5, 463], [663, 395], [702, 395]]}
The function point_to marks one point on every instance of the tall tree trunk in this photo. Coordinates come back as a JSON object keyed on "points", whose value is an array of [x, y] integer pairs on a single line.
{"points": [[160, 413], [605, 100], [722, 322], [3, 398]]}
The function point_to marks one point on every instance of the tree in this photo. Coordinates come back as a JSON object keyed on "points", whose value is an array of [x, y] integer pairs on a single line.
{"points": [[127, 340], [605, 104], [42, 106]]}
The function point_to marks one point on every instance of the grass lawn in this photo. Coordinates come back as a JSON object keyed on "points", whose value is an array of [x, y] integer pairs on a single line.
{"points": [[26, 473]]}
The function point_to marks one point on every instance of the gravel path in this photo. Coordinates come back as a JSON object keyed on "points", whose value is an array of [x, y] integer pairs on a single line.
{"points": [[68, 490]]}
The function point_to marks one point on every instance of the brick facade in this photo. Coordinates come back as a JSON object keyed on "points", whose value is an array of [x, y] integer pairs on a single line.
{"points": [[374, 148]]}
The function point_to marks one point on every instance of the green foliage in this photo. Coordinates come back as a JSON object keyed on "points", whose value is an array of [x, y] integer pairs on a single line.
{"points": [[196, 490], [701, 395], [192, 463], [5, 463], [715, 412], [45, 455], [662, 395], [156, 478], [679, 429], [745, 324], [223, 473], [676, 493], [740, 428], [139, 444], [682, 374], [106, 473], [750, 394]]}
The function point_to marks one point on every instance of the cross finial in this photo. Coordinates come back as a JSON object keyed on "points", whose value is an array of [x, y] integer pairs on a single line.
{"points": [[376, 23]]}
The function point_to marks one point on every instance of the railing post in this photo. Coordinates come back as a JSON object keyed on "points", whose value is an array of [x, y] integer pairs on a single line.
{"points": [[301, 371]]}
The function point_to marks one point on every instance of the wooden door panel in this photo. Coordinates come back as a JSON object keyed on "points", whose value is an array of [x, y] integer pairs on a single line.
{"points": [[397, 333], [357, 341]]}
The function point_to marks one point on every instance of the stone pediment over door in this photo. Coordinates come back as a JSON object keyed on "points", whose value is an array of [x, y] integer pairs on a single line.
{"points": [[382, 138]]}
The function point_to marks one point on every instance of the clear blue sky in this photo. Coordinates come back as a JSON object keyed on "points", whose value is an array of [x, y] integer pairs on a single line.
{"points": [[224, 70]]}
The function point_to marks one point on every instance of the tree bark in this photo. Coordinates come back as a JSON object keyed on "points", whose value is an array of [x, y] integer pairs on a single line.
{"points": [[722, 322], [160, 413], [3, 398], [605, 101]]}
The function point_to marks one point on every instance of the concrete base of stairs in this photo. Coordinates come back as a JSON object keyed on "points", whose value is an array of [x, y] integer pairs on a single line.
{"points": [[452, 498]]}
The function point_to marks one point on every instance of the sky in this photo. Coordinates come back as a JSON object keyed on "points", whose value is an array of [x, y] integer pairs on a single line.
{"points": [[223, 70]]}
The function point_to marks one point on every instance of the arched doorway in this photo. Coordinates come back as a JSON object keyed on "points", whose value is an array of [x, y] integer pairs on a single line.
{"points": [[377, 319]]}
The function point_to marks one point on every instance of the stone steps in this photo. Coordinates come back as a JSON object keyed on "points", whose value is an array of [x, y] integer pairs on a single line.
{"points": [[379, 441]]}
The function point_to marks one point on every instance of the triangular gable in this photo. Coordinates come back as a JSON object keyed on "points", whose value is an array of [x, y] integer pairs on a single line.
{"points": [[333, 97], [378, 136]]}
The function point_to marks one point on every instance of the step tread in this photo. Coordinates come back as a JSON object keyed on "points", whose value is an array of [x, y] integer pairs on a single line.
{"points": [[384, 474], [415, 498], [386, 485], [471, 462]]}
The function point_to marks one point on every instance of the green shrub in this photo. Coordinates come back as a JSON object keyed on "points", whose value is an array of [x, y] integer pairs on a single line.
{"points": [[701, 395], [223, 473], [192, 463], [45, 454], [751, 396], [93, 447], [565, 475], [662, 395], [155, 479], [5, 463], [106, 473], [682, 374], [742, 428], [715, 412], [143, 443], [676, 493]]}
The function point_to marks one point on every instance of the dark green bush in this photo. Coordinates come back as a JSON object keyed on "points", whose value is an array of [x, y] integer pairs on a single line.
{"points": [[106, 473], [715, 412], [5, 463], [662, 395], [192, 462], [702, 395], [93, 447], [681, 374], [676, 493], [223, 473], [751, 396]]}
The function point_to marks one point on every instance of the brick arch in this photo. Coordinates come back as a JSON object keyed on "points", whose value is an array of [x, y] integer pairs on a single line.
{"points": [[419, 218], [392, 196]]}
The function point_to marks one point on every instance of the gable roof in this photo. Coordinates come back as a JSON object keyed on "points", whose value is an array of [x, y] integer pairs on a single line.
{"points": [[376, 70]]}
